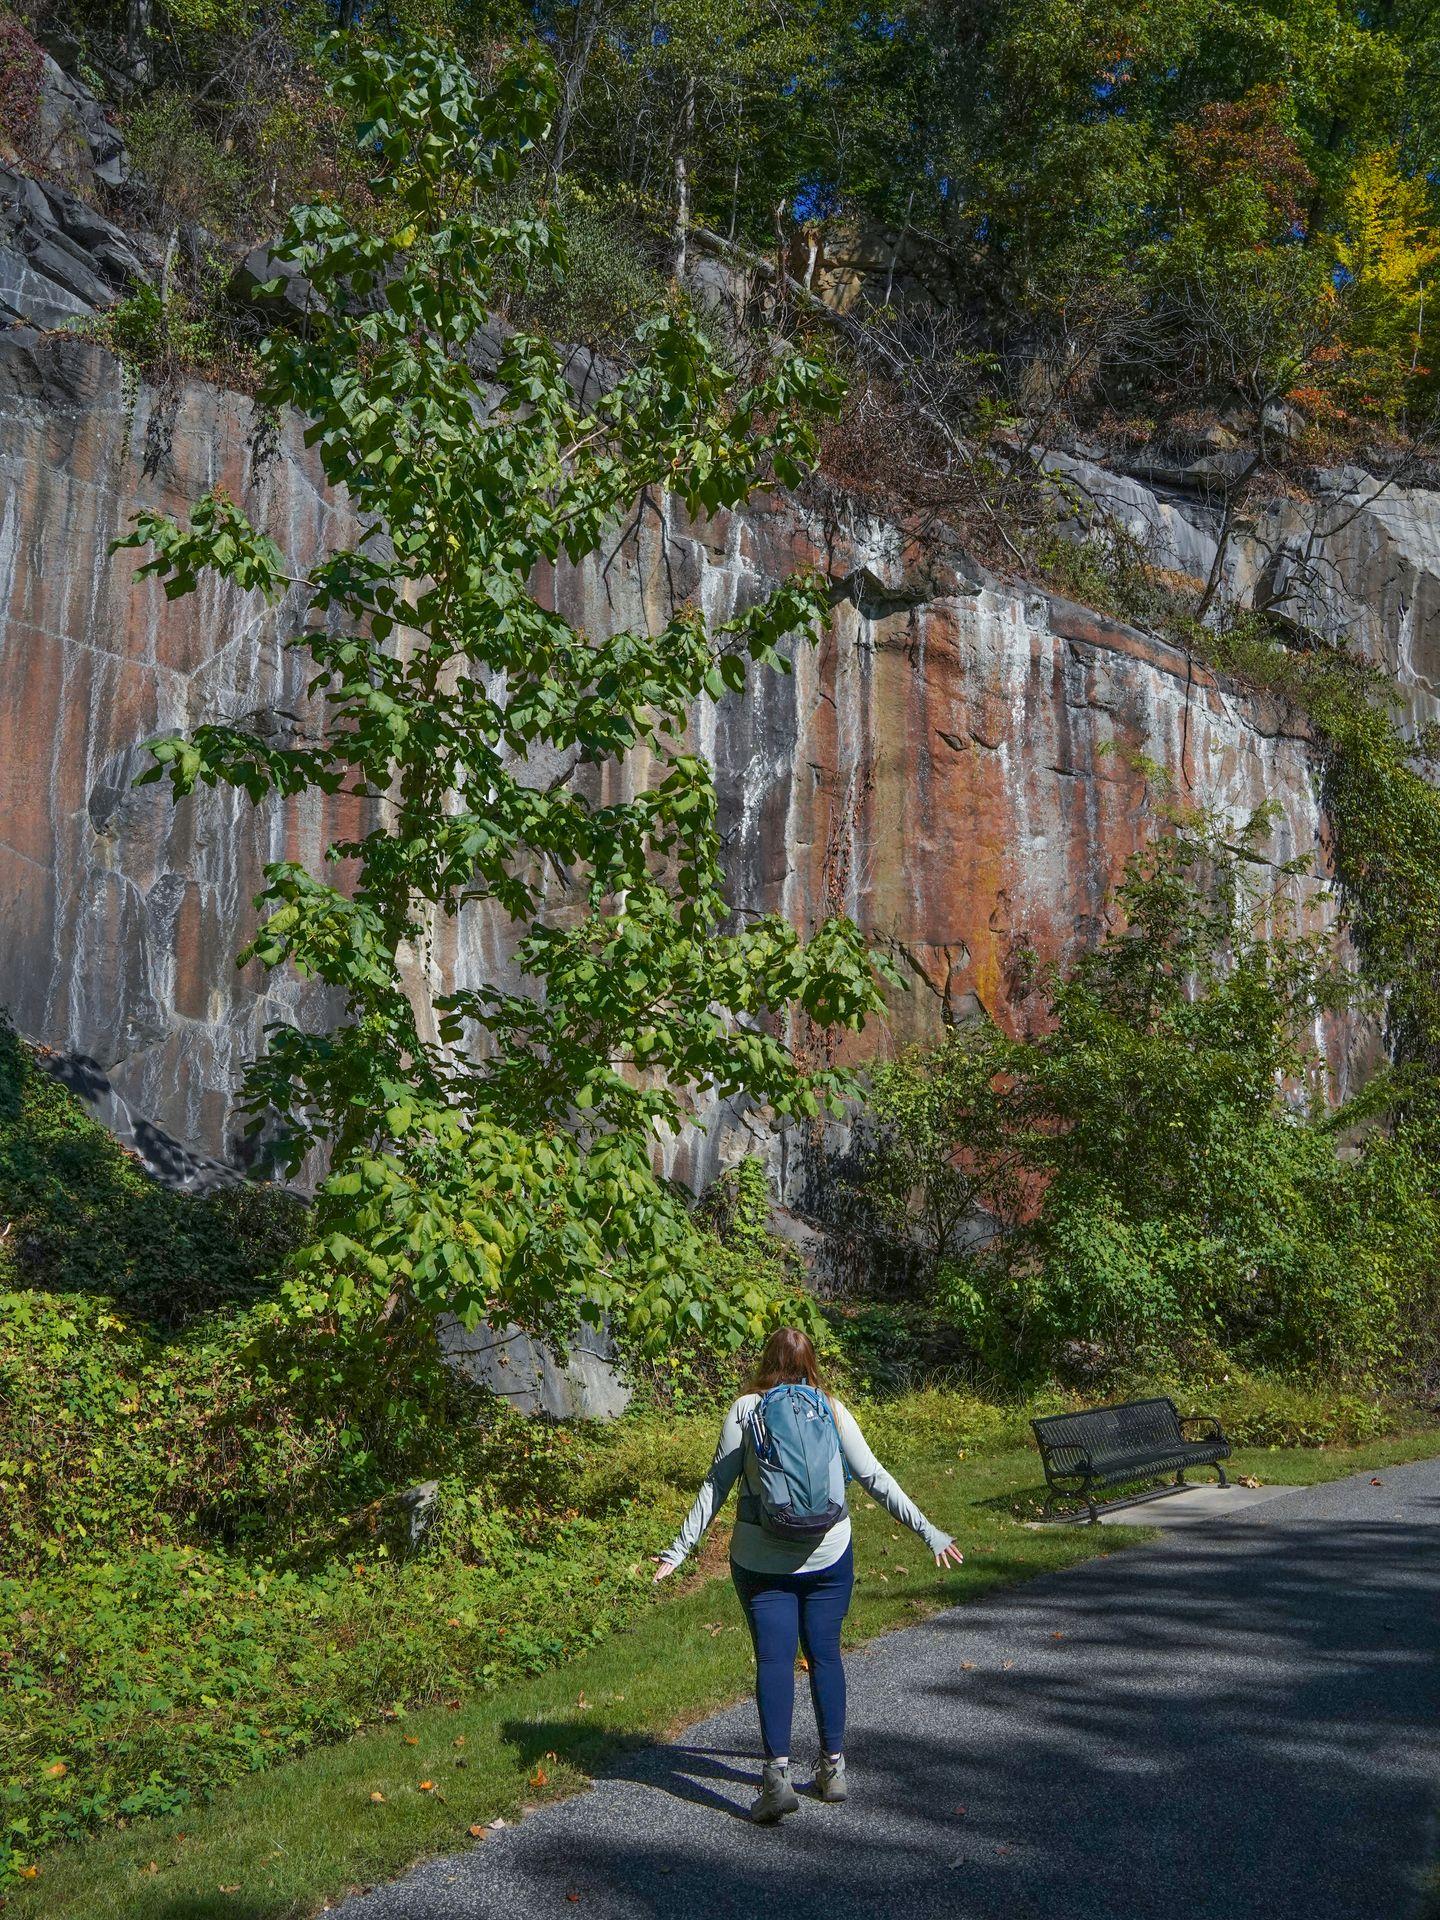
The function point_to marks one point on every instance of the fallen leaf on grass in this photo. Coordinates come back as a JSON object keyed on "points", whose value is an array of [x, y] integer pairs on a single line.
{"points": [[452, 1706], [57, 1771], [151, 1866], [411, 1739], [427, 1786], [28, 1873], [458, 1741], [378, 1798], [234, 1889], [581, 1702], [539, 1778]]}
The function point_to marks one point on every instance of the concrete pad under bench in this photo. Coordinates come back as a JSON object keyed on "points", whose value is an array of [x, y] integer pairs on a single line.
{"points": [[1190, 1506]]}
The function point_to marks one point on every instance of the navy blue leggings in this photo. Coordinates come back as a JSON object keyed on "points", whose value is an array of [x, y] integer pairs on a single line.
{"points": [[786, 1610]]}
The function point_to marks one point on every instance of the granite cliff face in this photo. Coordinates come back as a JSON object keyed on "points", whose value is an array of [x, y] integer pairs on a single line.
{"points": [[959, 765]]}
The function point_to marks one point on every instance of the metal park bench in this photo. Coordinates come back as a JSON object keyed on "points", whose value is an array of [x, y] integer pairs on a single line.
{"points": [[1111, 1445]]}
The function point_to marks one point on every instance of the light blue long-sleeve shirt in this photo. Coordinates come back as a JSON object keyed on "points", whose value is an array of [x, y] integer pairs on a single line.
{"points": [[760, 1552]]}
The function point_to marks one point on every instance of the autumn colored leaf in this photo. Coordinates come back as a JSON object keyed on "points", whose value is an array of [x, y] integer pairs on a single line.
{"points": [[378, 1798], [477, 1833], [427, 1786], [57, 1771]]}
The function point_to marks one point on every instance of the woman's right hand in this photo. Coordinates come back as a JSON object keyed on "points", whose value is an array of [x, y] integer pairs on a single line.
{"points": [[664, 1567]]}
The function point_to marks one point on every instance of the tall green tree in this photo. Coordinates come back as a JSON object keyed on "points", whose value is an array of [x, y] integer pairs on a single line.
{"points": [[490, 1151]]}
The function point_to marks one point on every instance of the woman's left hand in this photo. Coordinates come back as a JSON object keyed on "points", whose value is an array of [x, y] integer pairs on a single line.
{"points": [[950, 1555], [664, 1566]]}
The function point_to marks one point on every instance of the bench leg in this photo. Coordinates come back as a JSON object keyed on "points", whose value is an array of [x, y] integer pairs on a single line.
{"points": [[1221, 1471], [1094, 1511], [1180, 1479]]}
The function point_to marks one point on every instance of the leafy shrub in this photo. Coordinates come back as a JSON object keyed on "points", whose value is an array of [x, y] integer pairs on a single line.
{"points": [[184, 174], [611, 280], [80, 1214], [187, 329], [1157, 1169]]}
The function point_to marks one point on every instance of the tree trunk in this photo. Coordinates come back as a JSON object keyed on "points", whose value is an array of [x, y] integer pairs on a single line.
{"points": [[682, 181], [895, 250], [589, 29], [138, 14]]}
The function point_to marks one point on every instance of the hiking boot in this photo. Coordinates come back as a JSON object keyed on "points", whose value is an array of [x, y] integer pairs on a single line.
{"points": [[777, 1796], [830, 1778]]}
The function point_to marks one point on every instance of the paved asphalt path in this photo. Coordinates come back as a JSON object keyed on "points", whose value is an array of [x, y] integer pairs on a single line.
{"points": [[1243, 1720]]}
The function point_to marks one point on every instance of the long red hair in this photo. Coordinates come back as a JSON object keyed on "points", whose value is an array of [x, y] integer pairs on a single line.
{"points": [[788, 1357]]}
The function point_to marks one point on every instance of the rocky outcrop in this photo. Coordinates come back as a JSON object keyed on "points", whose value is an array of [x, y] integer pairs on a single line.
{"points": [[961, 766], [1356, 561], [73, 139], [60, 260], [586, 1384]]}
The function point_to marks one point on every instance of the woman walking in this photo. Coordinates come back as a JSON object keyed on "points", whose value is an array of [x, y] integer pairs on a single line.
{"points": [[790, 1554]]}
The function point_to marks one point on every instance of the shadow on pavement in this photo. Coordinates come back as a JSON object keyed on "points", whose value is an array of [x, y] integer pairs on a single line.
{"points": [[1216, 1729]]}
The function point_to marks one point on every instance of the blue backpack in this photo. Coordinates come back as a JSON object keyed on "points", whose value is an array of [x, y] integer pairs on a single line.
{"points": [[802, 1471]]}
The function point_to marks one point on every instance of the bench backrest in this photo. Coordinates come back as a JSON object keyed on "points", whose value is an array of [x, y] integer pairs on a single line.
{"points": [[1067, 1438]]}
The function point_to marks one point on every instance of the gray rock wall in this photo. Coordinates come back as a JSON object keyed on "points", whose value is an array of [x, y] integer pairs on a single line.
{"points": [[958, 765]]}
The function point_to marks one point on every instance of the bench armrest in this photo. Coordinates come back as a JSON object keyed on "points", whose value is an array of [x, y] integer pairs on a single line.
{"points": [[1215, 1430], [1081, 1469]]}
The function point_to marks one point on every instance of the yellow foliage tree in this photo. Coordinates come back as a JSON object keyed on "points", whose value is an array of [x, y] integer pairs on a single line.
{"points": [[1389, 240]]}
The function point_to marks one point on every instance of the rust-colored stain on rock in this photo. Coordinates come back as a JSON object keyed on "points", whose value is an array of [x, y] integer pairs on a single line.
{"points": [[959, 766]]}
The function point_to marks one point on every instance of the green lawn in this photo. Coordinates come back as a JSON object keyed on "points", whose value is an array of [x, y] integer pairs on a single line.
{"points": [[284, 1841]]}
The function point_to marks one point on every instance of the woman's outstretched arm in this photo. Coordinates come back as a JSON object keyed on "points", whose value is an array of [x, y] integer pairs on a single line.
{"points": [[724, 1472], [865, 1468]]}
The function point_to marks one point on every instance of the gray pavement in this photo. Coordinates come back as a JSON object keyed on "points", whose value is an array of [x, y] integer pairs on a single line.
{"points": [[1242, 1720]]}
